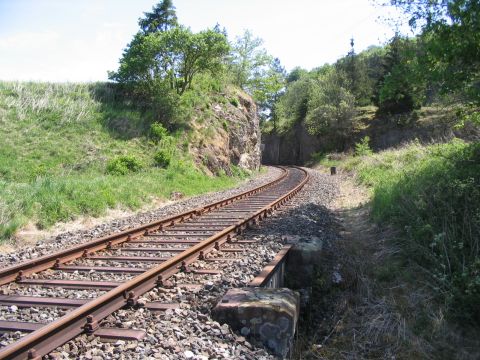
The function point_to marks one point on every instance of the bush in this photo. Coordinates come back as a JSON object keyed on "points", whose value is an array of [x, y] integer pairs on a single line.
{"points": [[363, 148], [122, 165], [234, 102], [158, 132], [162, 159]]}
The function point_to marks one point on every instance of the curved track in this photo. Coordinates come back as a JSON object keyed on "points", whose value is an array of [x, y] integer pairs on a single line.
{"points": [[152, 252]]}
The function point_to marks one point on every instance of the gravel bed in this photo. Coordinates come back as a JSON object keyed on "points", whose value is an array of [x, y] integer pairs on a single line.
{"points": [[42, 315], [23, 290], [68, 239], [133, 264], [8, 338], [91, 275]]}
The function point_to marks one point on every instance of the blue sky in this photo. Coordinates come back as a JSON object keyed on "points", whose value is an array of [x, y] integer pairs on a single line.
{"points": [[80, 40]]}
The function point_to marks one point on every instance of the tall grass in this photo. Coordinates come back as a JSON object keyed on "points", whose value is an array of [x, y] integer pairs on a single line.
{"points": [[55, 143], [432, 193]]}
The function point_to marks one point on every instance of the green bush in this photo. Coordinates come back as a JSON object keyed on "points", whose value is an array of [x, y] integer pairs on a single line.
{"points": [[162, 159], [234, 102], [123, 165], [362, 148], [158, 132]]}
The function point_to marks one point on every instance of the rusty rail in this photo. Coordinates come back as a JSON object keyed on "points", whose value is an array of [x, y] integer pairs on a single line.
{"points": [[272, 274], [85, 318]]}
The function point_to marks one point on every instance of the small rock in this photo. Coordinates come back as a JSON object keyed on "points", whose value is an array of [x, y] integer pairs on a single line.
{"points": [[188, 354]]}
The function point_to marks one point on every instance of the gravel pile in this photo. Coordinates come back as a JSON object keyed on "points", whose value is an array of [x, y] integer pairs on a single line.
{"points": [[59, 242]]}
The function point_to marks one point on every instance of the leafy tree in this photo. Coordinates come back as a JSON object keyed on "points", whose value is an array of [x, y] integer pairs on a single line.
{"points": [[451, 36], [331, 107], [296, 74], [171, 58], [162, 18], [356, 69], [401, 88], [292, 106], [248, 60], [268, 88]]}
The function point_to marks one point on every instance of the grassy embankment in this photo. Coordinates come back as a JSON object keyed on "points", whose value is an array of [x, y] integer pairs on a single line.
{"points": [[57, 142], [432, 195]]}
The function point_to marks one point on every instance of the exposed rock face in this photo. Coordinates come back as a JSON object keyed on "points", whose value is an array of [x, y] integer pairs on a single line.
{"points": [[235, 139]]}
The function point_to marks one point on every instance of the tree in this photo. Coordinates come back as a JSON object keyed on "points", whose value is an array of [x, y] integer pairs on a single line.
{"points": [[331, 106], [248, 60], [401, 88], [451, 36], [162, 18], [171, 58], [267, 89]]}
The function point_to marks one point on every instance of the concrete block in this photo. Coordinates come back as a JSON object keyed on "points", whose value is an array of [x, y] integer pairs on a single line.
{"points": [[263, 315], [303, 259]]}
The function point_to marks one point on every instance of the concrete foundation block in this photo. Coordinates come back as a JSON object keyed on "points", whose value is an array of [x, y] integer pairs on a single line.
{"points": [[303, 259], [263, 315]]}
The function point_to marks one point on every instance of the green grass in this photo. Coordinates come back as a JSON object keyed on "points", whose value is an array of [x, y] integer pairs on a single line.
{"points": [[56, 142], [432, 194]]}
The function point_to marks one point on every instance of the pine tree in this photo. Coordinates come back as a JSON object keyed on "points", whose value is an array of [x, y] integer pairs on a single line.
{"points": [[162, 18]]}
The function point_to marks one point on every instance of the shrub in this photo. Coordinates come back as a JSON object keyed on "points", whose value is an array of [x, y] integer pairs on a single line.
{"points": [[162, 159], [234, 102], [158, 132], [122, 165], [363, 148]]}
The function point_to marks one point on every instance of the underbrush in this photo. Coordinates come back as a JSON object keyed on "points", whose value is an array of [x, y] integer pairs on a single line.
{"points": [[432, 193], [78, 149]]}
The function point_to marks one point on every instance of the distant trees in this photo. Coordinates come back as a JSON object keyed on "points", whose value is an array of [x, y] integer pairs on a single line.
{"points": [[320, 100]]}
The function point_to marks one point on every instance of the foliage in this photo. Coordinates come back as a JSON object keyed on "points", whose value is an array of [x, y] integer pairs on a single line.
{"points": [[331, 107], [451, 38], [162, 18], [433, 194], [170, 59], [258, 73], [400, 89], [158, 132], [123, 165], [362, 148], [247, 60], [292, 107], [162, 159]]}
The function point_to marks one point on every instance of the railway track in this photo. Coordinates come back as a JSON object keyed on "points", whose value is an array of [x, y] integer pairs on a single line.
{"points": [[113, 272]]}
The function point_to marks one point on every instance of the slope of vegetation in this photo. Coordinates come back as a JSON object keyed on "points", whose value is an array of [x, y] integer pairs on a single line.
{"points": [[71, 149]]}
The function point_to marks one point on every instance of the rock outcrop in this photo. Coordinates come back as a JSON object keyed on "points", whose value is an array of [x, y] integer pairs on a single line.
{"points": [[229, 135]]}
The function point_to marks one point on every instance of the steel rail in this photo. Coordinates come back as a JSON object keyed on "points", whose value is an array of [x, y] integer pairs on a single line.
{"points": [[45, 262], [85, 318]]}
